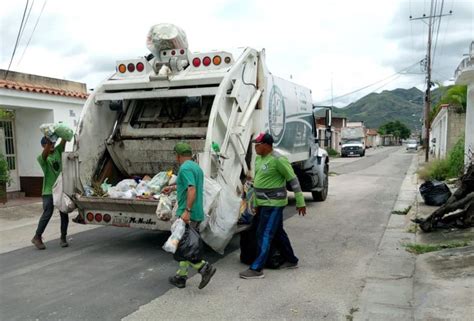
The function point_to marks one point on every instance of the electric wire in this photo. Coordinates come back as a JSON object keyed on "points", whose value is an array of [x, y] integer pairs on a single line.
{"points": [[32, 33], [27, 18], [372, 84], [17, 39], [437, 32]]}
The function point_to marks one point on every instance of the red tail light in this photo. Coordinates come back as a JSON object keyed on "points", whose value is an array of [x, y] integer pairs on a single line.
{"points": [[173, 52], [131, 67], [107, 218], [140, 67], [206, 61], [181, 51], [90, 217], [196, 62], [98, 217]]}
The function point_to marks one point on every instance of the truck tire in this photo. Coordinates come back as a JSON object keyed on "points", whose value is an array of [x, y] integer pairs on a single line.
{"points": [[323, 194], [363, 154]]}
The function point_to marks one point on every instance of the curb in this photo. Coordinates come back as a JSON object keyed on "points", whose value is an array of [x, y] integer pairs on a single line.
{"points": [[388, 293]]}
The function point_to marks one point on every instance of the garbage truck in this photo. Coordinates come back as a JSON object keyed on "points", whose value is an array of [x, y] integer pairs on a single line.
{"points": [[217, 101]]}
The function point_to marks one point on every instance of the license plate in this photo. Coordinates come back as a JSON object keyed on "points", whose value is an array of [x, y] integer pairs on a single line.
{"points": [[351, 153]]}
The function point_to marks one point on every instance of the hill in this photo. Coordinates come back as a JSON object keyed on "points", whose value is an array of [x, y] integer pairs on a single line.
{"points": [[376, 109]]}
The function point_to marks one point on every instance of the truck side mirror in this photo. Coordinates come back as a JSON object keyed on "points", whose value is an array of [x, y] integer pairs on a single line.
{"points": [[328, 118], [328, 133]]}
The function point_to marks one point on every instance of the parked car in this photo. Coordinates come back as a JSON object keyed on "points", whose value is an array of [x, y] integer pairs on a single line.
{"points": [[412, 144]]}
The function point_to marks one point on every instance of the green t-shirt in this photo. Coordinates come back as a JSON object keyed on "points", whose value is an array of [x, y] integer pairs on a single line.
{"points": [[51, 168], [273, 171], [190, 174]]}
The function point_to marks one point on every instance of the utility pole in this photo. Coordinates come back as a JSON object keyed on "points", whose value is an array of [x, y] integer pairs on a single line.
{"points": [[428, 72]]}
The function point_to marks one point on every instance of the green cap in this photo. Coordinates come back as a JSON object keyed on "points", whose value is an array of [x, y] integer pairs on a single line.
{"points": [[183, 149]]}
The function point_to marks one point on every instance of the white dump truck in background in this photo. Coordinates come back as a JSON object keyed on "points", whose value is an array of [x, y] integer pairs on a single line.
{"points": [[352, 141], [132, 120]]}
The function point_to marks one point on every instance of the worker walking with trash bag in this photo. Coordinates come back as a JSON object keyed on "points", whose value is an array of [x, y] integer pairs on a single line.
{"points": [[272, 173], [189, 187], [50, 162]]}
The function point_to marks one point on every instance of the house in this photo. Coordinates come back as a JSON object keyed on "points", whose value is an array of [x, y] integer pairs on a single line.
{"points": [[355, 124], [389, 140], [446, 129], [26, 102], [464, 75], [336, 125], [372, 138]]}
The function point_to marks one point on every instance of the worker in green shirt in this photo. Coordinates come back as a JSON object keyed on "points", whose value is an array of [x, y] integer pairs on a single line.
{"points": [[272, 173], [190, 193], [50, 162]]}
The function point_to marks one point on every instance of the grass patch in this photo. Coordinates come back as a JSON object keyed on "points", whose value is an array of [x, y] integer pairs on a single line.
{"points": [[403, 212], [418, 248], [442, 169], [332, 152], [412, 228]]}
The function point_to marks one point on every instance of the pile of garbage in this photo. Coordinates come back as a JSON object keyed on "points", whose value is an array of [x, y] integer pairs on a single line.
{"points": [[145, 188]]}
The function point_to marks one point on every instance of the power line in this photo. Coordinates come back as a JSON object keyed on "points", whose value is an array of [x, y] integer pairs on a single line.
{"points": [[437, 32], [370, 85], [32, 33], [17, 38], [27, 17]]}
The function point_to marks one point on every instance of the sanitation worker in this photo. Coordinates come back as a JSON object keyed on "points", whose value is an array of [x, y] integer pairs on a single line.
{"points": [[50, 162], [272, 173], [190, 193]]}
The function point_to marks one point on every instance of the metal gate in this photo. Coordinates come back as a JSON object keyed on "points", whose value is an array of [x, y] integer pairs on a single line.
{"points": [[10, 153]]}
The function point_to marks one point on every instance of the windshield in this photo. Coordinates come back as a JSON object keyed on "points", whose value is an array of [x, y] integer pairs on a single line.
{"points": [[352, 141], [411, 141]]}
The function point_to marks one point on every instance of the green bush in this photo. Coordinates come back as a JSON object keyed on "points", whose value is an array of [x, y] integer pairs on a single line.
{"points": [[4, 171], [332, 152], [442, 169], [456, 159]]}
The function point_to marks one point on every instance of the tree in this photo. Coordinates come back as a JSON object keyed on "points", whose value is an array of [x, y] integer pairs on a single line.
{"points": [[454, 96], [396, 128]]}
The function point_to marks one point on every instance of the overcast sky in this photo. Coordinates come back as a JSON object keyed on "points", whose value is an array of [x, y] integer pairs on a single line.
{"points": [[347, 43]]}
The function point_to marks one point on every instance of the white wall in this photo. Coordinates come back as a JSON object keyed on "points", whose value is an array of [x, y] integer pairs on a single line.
{"points": [[439, 131], [28, 137], [469, 133]]}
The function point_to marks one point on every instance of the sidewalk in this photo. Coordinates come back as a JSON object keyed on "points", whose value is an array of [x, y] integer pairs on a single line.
{"points": [[432, 286], [19, 219]]}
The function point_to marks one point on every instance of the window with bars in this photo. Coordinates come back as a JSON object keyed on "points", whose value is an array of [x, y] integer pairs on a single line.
{"points": [[7, 126]]}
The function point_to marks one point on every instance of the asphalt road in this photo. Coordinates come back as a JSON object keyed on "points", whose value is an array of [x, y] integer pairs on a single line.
{"points": [[109, 273]]}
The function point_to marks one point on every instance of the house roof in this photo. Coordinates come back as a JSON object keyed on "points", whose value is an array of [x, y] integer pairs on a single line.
{"points": [[22, 86], [372, 132]]}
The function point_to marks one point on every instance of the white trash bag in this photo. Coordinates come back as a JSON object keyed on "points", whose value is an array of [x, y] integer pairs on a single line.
{"points": [[177, 232], [222, 222], [164, 210], [211, 193], [60, 200]]}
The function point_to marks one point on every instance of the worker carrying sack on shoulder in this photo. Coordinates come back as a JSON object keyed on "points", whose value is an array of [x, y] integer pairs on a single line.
{"points": [[435, 193]]}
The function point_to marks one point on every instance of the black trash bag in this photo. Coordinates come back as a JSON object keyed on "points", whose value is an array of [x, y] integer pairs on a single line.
{"points": [[434, 193], [190, 247]]}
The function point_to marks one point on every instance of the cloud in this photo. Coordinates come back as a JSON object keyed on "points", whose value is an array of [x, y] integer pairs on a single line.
{"points": [[354, 43]]}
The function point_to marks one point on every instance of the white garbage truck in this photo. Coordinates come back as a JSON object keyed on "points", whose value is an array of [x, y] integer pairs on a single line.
{"points": [[352, 141], [217, 101]]}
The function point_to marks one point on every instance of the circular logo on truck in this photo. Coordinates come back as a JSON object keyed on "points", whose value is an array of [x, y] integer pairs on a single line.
{"points": [[276, 114]]}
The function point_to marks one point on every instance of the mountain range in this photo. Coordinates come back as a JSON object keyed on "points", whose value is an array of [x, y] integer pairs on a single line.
{"points": [[376, 109]]}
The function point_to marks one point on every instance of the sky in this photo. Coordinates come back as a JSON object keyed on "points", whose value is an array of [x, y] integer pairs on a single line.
{"points": [[332, 47]]}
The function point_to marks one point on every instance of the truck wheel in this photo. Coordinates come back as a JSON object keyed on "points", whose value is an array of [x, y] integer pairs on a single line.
{"points": [[323, 194]]}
